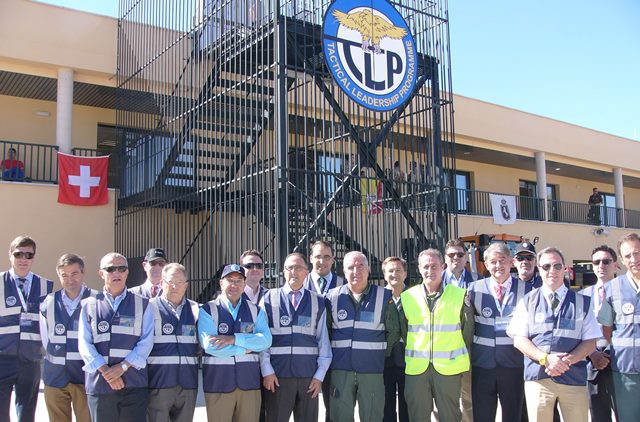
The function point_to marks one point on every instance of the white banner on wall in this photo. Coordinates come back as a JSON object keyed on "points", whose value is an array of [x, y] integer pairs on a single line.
{"points": [[503, 208]]}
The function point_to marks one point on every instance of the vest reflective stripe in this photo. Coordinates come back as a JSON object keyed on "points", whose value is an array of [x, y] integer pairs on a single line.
{"points": [[172, 361], [117, 331], [223, 375], [358, 338], [294, 348], [491, 344], [625, 341], [16, 337], [546, 337], [63, 363], [427, 343]]}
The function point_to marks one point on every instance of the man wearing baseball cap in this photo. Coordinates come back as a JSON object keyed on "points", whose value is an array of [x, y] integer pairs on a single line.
{"points": [[232, 332], [525, 262], [154, 262]]}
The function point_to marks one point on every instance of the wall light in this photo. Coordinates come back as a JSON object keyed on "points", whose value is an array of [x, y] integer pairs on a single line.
{"points": [[43, 113]]}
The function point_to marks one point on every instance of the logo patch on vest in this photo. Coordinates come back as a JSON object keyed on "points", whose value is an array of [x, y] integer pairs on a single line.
{"points": [[539, 318], [59, 329], [223, 328], [342, 314], [10, 300], [487, 312], [627, 308], [167, 328], [285, 320], [103, 326]]}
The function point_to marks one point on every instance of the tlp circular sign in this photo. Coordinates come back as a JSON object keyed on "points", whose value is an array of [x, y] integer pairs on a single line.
{"points": [[370, 52]]}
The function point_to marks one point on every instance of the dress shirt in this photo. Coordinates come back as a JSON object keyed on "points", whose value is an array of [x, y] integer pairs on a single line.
{"points": [[450, 278], [137, 357], [70, 306], [506, 286], [315, 279], [257, 341], [253, 297], [27, 285], [324, 345], [519, 325], [145, 288], [177, 310]]}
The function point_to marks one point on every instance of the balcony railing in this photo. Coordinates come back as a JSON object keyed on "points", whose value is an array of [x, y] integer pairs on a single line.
{"points": [[474, 202], [25, 162], [580, 213]]}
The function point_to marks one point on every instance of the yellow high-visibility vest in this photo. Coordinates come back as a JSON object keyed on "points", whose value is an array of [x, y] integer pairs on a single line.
{"points": [[435, 337]]}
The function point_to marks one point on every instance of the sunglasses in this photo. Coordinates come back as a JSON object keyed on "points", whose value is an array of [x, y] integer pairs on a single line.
{"points": [[454, 254], [557, 267], [254, 266], [118, 268], [521, 258], [605, 261], [158, 263], [23, 255]]}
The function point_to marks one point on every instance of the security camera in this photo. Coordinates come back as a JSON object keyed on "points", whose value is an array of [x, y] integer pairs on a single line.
{"points": [[600, 231]]}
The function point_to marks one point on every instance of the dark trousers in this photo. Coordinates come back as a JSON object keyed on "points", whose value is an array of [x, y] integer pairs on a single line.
{"points": [[394, 386], [490, 385], [601, 396], [291, 396], [25, 376], [126, 405], [326, 394]]}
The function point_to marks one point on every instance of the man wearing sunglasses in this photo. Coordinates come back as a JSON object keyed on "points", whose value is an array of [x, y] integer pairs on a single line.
{"points": [[555, 329], [21, 293], [173, 364], [525, 262], [253, 265], [455, 256], [620, 319], [115, 338], [599, 374], [154, 262], [232, 331]]}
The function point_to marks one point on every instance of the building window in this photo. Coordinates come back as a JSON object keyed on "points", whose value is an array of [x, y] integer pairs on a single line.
{"points": [[529, 207]]}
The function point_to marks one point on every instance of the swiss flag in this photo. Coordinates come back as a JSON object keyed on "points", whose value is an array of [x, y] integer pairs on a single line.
{"points": [[82, 180]]}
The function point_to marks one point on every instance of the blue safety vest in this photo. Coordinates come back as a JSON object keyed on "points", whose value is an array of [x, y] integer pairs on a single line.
{"points": [[559, 333], [625, 341], [294, 348], [173, 359], [115, 335], [224, 375], [20, 327], [62, 362], [358, 337], [491, 345]]}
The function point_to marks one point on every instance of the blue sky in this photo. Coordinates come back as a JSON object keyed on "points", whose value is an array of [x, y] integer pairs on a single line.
{"points": [[573, 60]]}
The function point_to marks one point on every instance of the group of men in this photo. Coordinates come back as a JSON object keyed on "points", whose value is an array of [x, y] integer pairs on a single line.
{"points": [[131, 355]]}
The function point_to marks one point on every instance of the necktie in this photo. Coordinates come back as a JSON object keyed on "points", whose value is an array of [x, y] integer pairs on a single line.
{"points": [[499, 292], [600, 297], [321, 283], [295, 298], [154, 290], [22, 282], [555, 301]]}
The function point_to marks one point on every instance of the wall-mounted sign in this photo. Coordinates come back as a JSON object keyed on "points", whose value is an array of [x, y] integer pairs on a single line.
{"points": [[370, 51]]}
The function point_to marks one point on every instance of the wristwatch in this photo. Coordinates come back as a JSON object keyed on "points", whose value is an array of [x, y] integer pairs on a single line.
{"points": [[543, 360], [124, 366]]}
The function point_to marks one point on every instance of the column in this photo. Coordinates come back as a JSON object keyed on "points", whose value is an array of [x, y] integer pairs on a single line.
{"points": [[541, 181], [64, 110], [618, 186]]}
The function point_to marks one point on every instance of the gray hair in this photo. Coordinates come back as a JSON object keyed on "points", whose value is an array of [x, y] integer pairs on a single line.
{"points": [[497, 247]]}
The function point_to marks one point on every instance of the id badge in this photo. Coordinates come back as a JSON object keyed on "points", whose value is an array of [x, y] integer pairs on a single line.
{"points": [[304, 321], [24, 320], [366, 316], [188, 330], [127, 321], [247, 327], [502, 323]]}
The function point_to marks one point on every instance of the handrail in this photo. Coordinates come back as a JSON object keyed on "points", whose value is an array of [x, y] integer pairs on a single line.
{"points": [[31, 162]]}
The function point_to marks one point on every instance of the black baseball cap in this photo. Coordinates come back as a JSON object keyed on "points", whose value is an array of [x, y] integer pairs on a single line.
{"points": [[232, 268], [155, 253], [525, 247]]}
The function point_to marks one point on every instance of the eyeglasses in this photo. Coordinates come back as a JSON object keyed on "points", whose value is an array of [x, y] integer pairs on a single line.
{"points": [[293, 268], [557, 267], [118, 268], [157, 263], [234, 281], [23, 255], [605, 261], [253, 266], [454, 254], [521, 258], [174, 284]]}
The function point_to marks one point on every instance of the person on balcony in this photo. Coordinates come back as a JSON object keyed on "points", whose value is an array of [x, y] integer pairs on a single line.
{"points": [[595, 202], [12, 168]]}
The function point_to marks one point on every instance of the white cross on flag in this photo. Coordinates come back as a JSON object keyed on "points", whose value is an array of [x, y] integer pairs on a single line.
{"points": [[82, 180]]}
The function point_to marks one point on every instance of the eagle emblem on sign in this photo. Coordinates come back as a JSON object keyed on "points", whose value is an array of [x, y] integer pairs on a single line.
{"points": [[373, 28]]}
